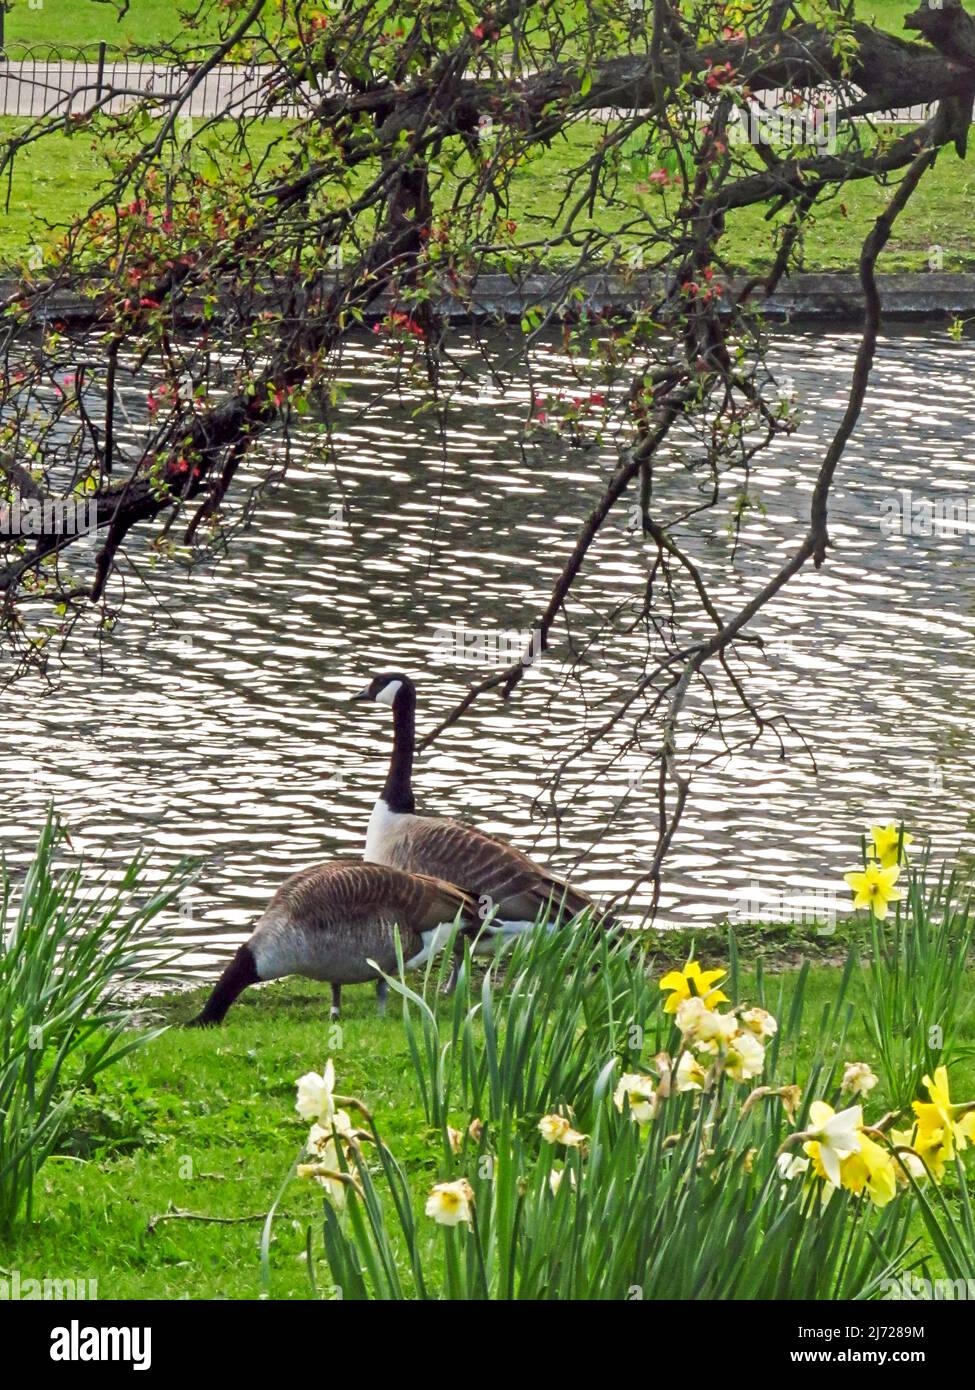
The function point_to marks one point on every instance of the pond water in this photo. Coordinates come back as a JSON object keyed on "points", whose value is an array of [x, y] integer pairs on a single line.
{"points": [[216, 721]]}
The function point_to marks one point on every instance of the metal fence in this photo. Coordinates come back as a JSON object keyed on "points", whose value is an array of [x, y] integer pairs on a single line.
{"points": [[40, 80], [44, 80]]}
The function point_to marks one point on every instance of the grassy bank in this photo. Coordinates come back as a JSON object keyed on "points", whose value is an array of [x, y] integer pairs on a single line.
{"points": [[204, 1123]]}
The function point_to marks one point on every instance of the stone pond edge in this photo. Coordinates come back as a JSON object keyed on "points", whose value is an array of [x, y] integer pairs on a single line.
{"points": [[826, 297]]}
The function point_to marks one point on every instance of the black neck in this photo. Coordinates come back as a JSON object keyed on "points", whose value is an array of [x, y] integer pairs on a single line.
{"points": [[241, 972], [398, 791]]}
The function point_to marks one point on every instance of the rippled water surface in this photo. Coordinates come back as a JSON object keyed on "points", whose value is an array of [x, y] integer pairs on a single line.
{"points": [[219, 724]]}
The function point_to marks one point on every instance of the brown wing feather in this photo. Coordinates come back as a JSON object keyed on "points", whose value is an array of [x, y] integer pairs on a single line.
{"points": [[356, 906], [487, 868]]}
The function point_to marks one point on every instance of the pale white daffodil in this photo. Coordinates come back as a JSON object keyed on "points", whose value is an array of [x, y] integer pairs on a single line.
{"points": [[746, 1057], [792, 1165], [315, 1095], [690, 1076], [759, 1022], [556, 1129], [451, 1203], [555, 1180], [859, 1078], [641, 1093], [703, 1027]]}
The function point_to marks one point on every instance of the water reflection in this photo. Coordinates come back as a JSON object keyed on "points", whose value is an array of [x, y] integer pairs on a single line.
{"points": [[219, 725]]}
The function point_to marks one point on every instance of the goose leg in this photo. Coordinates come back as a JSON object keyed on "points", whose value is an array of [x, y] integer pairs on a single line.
{"points": [[336, 1008], [452, 979], [382, 991]]}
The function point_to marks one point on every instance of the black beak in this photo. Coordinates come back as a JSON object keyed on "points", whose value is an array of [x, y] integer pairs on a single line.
{"points": [[364, 694]]}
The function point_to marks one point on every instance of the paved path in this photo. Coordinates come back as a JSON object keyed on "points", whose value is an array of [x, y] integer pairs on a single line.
{"points": [[31, 88], [34, 88]]}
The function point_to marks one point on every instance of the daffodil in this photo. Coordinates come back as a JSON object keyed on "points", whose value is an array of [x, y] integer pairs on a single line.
{"points": [[690, 982], [641, 1093], [704, 1027], [792, 1165], [745, 1058], [873, 887], [340, 1126], [315, 1095], [889, 845], [690, 1076], [940, 1124], [834, 1135], [870, 1169], [455, 1139], [931, 1151], [451, 1203], [858, 1078], [556, 1129], [791, 1097], [555, 1180], [759, 1022], [907, 1162], [327, 1169], [689, 1014]]}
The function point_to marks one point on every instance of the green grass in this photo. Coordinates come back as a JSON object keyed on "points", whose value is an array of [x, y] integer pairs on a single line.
{"points": [[62, 23], [65, 22], [204, 1122], [55, 179]]}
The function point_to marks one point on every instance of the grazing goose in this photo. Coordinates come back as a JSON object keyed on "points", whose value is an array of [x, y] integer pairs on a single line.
{"points": [[495, 873], [329, 921]]}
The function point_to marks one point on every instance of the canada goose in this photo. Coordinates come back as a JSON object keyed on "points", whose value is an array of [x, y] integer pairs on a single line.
{"points": [[329, 921], [496, 874]]}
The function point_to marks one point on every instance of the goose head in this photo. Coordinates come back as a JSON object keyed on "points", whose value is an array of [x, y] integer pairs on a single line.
{"points": [[385, 687]]}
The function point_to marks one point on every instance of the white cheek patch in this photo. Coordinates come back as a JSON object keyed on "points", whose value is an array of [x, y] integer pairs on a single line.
{"points": [[389, 692]]}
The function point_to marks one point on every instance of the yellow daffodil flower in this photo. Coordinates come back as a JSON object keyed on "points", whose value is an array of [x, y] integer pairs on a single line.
{"points": [[692, 982], [908, 1163], [939, 1123], [888, 845], [932, 1152], [870, 1169], [451, 1203], [873, 887]]}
